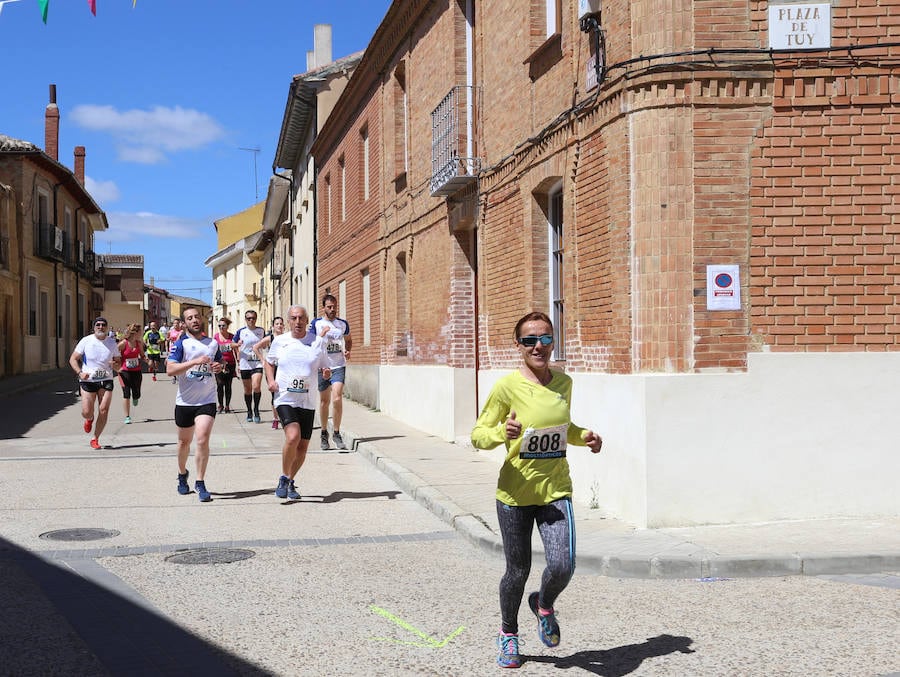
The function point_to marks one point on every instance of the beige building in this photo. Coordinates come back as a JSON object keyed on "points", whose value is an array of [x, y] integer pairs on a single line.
{"points": [[238, 282], [50, 278], [123, 289], [290, 212]]}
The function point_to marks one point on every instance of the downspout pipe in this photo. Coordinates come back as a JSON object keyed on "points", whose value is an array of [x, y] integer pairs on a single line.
{"points": [[290, 180], [56, 322]]}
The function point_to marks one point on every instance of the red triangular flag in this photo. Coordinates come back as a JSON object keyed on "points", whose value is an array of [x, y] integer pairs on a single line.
{"points": [[93, 5]]}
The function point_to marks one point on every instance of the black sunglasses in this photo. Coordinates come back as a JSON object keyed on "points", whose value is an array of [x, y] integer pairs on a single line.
{"points": [[531, 341], [99, 324]]}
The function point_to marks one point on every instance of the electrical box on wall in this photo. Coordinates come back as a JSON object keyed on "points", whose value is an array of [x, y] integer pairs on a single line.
{"points": [[588, 8]]}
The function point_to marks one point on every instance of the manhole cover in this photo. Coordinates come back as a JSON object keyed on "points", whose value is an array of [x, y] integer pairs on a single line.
{"points": [[78, 534], [210, 556]]}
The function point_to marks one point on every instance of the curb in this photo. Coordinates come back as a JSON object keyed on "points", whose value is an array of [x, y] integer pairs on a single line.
{"points": [[703, 565]]}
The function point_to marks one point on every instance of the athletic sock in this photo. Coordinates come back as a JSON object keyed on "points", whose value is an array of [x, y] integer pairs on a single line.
{"points": [[256, 398], [248, 400]]}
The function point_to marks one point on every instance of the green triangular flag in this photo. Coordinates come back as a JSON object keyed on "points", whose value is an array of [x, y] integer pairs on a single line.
{"points": [[45, 4]]}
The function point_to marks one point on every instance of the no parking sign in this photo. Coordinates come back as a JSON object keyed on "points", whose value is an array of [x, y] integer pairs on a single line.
{"points": [[723, 288]]}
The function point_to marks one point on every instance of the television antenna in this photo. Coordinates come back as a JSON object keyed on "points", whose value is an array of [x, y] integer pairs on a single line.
{"points": [[255, 152]]}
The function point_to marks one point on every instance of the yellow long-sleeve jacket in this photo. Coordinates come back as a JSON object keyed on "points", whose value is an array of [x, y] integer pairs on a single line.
{"points": [[535, 470]]}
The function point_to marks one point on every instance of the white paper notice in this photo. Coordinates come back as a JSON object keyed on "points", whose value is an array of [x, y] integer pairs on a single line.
{"points": [[723, 288]]}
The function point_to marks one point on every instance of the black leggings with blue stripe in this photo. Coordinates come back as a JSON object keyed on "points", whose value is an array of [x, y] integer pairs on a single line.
{"points": [[556, 525]]}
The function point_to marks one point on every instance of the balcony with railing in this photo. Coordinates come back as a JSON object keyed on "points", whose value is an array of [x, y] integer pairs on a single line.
{"points": [[93, 269], [453, 165], [53, 243]]}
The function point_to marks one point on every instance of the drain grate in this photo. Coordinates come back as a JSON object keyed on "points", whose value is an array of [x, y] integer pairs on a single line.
{"points": [[78, 534], [210, 556]]}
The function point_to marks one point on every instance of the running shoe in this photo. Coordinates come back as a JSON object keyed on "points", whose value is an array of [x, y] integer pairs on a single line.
{"points": [[338, 440], [325, 444], [282, 490], [183, 487], [227, 410], [293, 494], [88, 424], [220, 409], [508, 651], [257, 419], [135, 401], [202, 493], [95, 443], [154, 377], [127, 420], [249, 418], [548, 628]]}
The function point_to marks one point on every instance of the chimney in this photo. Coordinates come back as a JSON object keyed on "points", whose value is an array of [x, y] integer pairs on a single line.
{"points": [[79, 164], [321, 54], [51, 126]]}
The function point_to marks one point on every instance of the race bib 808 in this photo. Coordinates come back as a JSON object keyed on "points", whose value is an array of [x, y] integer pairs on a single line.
{"points": [[544, 442]]}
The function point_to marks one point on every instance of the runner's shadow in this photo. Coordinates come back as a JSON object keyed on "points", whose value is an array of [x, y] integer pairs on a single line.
{"points": [[232, 495], [359, 440], [336, 496], [138, 446], [621, 660]]}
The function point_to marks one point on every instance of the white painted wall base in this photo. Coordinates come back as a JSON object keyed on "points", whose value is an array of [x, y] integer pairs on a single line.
{"points": [[798, 436], [439, 400]]}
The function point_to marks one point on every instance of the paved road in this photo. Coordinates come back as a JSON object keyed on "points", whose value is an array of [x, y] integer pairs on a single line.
{"points": [[355, 579]]}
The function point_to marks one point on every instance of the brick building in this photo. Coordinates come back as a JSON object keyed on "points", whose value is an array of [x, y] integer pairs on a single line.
{"points": [[482, 163]]}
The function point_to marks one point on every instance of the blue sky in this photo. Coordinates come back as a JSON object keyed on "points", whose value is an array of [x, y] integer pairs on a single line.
{"points": [[164, 96]]}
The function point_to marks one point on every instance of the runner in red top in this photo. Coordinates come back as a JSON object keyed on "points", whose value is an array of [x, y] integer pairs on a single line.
{"points": [[225, 339], [130, 376]]}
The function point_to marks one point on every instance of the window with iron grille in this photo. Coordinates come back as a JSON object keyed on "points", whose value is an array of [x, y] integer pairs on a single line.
{"points": [[557, 250]]}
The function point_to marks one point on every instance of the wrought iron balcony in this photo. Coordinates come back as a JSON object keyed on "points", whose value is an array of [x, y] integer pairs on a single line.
{"points": [[453, 166], [93, 270], [52, 242]]}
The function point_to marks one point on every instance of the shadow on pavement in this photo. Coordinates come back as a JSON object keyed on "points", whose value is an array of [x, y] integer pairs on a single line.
{"points": [[621, 660], [336, 496], [140, 446], [231, 495], [25, 404], [43, 603], [360, 440]]}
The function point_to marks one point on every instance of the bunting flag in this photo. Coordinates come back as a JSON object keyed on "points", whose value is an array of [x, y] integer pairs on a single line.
{"points": [[93, 5], [44, 5], [133, 4]]}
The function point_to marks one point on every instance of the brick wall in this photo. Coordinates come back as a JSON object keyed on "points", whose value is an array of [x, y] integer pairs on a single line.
{"points": [[826, 227], [783, 165]]}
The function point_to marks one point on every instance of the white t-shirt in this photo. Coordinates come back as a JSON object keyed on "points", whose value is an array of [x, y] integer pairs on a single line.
{"points": [[248, 359], [298, 369], [334, 346], [97, 356], [198, 385]]}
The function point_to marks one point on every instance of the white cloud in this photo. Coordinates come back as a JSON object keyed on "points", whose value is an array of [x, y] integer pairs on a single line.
{"points": [[146, 136], [136, 226], [102, 191]]}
